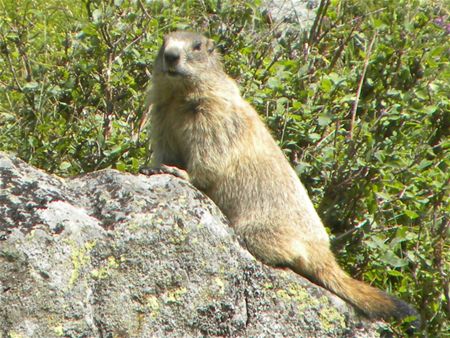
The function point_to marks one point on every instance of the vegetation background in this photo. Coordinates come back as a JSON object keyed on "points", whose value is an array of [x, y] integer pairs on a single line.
{"points": [[359, 103]]}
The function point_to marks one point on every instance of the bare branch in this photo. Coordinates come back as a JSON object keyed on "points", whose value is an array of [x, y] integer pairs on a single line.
{"points": [[361, 81]]}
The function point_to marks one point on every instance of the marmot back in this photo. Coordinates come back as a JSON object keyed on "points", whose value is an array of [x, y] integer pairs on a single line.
{"points": [[202, 125]]}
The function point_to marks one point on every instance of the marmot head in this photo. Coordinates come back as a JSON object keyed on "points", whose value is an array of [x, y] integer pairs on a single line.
{"points": [[186, 57]]}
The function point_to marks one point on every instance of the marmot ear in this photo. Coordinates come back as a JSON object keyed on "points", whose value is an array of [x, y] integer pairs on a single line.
{"points": [[210, 45]]}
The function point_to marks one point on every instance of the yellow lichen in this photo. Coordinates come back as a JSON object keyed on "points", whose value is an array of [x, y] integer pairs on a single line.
{"points": [[105, 271], [331, 318], [59, 330], [14, 334], [283, 294], [174, 296], [80, 258], [298, 294], [180, 236], [220, 284], [268, 286], [152, 303]]}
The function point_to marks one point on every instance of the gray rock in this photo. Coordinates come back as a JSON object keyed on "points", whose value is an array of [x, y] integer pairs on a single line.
{"points": [[299, 12], [110, 254]]}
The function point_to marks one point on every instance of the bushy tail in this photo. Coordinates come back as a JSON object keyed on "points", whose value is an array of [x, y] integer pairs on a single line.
{"points": [[374, 303]]}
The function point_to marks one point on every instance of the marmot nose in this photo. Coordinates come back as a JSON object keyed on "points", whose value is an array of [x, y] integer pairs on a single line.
{"points": [[171, 56]]}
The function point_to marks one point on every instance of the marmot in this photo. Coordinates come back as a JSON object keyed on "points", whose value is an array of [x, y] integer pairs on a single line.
{"points": [[201, 125]]}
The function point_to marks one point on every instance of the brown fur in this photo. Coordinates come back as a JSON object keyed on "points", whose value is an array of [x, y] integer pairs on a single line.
{"points": [[201, 124]]}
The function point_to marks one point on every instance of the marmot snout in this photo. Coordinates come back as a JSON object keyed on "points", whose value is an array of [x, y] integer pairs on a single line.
{"points": [[183, 54]]}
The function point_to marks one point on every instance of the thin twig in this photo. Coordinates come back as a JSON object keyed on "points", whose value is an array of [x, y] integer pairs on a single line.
{"points": [[342, 45], [315, 28], [357, 227], [144, 10], [361, 81], [133, 42], [285, 122]]}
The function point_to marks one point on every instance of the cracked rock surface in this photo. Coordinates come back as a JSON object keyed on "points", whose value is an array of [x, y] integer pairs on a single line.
{"points": [[111, 254]]}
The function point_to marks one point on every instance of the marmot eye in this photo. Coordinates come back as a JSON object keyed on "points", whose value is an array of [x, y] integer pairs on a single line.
{"points": [[197, 45]]}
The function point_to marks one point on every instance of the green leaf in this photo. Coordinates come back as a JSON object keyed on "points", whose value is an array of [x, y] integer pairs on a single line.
{"points": [[64, 166], [30, 87], [429, 110], [324, 120], [314, 137], [273, 83], [97, 15], [411, 214], [326, 85], [393, 260]]}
